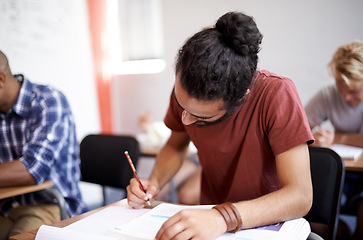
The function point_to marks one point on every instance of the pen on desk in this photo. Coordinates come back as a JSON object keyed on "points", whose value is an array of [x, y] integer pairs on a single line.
{"points": [[317, 123], [137, 178]]}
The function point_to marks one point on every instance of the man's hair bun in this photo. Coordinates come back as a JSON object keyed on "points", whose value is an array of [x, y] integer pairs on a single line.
{"points": [[239, 32]]}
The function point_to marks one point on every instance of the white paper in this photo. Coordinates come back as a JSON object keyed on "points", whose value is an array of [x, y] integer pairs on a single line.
{"points": [[102, 221], [95, 225], [123, 222], [152, 221], [347, 152], [54, 233]]}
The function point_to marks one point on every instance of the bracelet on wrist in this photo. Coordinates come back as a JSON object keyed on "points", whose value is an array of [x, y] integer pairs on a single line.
{"points": [[231, 216]]}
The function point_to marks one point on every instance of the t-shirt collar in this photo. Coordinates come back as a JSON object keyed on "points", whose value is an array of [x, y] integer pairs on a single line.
{"points": [[23, 102]]}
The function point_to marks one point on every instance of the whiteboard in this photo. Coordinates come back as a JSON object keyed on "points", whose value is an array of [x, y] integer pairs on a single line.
{"points": [[49, 42]]}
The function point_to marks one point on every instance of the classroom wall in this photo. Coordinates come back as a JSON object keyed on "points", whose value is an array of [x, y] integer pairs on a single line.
{"points": [[300, 38], [49, 42]]}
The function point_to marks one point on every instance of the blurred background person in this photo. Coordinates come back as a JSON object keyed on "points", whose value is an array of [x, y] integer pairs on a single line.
{"points": [[342, 105]]}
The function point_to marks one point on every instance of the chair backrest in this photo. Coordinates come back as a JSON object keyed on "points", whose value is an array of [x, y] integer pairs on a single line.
{"points": [[103, 159], [327, 173]]}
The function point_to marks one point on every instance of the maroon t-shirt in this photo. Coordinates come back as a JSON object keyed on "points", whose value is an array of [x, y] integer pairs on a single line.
{"points": [[237, 155]]}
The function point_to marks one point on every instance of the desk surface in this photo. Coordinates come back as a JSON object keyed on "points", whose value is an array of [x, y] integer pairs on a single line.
{"points": [[148, 151], [354, 166], [19, 190]]}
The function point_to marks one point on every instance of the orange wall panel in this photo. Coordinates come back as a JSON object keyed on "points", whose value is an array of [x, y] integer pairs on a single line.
{"points": [[99, 38]]}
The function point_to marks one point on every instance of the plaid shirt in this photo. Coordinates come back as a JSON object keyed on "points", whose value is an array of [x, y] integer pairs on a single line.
{"points": [[39, 130]]}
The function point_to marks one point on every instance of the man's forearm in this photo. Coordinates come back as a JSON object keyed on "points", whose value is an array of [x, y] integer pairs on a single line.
{"points": [[281, 205], [166, 166], [292, 200], [349, 139], [15, 174]]}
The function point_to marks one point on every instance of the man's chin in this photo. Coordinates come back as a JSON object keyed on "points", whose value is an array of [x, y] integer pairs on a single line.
{"points": [[353, 104]]}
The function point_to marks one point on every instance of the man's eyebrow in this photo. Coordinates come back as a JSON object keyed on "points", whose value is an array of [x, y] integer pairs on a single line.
{"points": [[189, 112]]}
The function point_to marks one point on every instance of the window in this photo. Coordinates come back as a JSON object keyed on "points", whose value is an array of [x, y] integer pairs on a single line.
{"points": [[136, 39]]}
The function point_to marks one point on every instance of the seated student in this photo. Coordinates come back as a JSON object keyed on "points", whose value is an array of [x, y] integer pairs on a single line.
{"points": [[342, 104], [249, 127], [185, 186], [38, 142]]}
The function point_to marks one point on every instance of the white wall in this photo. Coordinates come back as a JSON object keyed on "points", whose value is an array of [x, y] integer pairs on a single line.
{"points": [[49, 42], [136, 94], [300, 38]]}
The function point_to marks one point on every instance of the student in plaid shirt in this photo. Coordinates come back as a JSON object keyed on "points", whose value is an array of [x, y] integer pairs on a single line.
{"points": [[37, 142]]}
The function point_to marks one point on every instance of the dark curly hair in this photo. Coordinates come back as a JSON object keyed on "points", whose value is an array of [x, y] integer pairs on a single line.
{"points": [[220, 62]]}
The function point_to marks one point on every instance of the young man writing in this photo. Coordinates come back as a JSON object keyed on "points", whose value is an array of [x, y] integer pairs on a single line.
{"points": [[250, 130]]}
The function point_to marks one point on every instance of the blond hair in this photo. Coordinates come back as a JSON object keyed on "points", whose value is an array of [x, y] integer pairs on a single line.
{"points": [[347, 63]]}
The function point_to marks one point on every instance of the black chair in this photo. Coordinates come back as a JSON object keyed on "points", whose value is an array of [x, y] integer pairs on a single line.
{"points": [[103, 160], [327, 173]]}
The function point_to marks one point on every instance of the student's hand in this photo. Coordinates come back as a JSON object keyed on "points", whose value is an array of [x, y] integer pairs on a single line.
{"points": [[193, 224], [135, 195], [323, 138]]}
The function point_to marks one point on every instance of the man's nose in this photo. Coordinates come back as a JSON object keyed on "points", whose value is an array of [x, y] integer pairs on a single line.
{"points": [[187, 118], [347, 97]]}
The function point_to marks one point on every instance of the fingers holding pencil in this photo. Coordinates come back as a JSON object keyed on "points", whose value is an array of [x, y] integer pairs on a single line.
{"points": [[132, 191], [136, 197], [323, 138]]}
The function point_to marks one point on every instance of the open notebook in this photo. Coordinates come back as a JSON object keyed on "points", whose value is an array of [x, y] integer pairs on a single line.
{"points": [[122, 223], [152, 221]]}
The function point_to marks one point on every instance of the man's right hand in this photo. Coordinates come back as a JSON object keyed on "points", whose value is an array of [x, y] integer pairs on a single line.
{"points": [[135, 195], [323, 138]]}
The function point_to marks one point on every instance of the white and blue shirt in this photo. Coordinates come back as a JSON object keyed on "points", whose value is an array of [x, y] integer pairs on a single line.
{"points": [[39, 130]]}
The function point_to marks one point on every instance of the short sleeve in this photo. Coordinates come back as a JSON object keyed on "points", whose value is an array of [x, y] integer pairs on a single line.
{"points": [[50, 130], [287, 124]]}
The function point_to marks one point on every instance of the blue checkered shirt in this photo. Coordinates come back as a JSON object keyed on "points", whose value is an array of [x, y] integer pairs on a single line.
{"points": [[39, 130]]}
